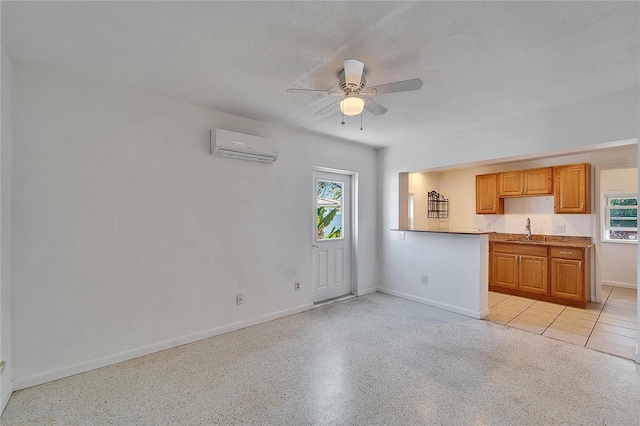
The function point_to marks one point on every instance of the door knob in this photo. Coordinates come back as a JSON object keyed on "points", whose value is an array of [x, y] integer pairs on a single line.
{"points": [[315, 246]]}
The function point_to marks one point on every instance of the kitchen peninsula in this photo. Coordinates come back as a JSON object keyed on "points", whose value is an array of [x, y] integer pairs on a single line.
{"points": [[447, 269]]}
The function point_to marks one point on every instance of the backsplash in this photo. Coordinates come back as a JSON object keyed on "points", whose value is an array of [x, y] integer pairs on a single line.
{"points": [[543, 221]]}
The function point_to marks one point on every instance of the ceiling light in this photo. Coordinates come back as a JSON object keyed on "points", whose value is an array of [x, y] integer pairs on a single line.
{"points": [[351, 105]]}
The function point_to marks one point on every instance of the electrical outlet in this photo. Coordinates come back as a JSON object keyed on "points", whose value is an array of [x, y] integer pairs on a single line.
{"points": [[560, 229], [297, 285], [402, 236], [239, 299], [424, 279]]}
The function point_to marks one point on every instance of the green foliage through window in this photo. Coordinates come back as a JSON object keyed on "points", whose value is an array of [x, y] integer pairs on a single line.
{"points": [[329, 215], [621, 217]]}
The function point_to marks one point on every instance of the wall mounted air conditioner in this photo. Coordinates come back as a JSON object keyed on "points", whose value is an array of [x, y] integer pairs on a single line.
{"points": [[243, 147]]}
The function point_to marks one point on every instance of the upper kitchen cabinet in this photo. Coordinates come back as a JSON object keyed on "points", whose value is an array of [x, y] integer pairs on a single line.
{"points": [[526, 182], [487, 199], [571, 192], [511, 183]]}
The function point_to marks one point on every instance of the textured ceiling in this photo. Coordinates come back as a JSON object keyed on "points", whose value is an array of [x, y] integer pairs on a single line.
{"points": [[480, 61]]}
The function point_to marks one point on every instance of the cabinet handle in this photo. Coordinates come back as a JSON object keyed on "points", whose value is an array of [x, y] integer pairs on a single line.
{"points": [[580, 266], [566, 252], [582, 206]]}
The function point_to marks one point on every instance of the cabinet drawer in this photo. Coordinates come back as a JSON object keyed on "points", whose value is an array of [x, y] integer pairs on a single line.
{"points": [[526, 249], [567, 253]]}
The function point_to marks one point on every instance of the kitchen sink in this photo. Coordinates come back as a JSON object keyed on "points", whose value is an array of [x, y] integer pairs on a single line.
{"points": [[522, 241]]}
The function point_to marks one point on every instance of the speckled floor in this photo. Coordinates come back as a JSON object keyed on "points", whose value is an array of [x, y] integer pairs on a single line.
{"points": [[370, 360]]}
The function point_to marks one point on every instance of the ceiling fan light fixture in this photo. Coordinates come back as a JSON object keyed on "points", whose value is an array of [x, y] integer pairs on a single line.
{"points": [[352, 105]]}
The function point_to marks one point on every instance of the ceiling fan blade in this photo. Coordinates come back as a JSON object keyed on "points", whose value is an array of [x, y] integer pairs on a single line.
{"points": [[353, 69], [314, 92], [373, 107], [398, 86], [328, 106]]}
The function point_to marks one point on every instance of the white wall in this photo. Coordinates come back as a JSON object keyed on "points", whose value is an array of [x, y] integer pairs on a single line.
{"points": [[420, 184], [129, 237], [618, 260], [6, 71], [555, 131]]}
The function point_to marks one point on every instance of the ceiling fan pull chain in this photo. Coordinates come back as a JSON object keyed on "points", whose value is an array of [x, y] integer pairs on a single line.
{"points": [[342, 119], [361, 114]]}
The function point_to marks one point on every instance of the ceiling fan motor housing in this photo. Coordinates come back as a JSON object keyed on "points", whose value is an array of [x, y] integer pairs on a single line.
{"points": [[345, 88]]}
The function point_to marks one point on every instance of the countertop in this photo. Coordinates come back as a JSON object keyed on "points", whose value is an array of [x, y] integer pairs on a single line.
{"points": [[463, 231], [544, 240]]}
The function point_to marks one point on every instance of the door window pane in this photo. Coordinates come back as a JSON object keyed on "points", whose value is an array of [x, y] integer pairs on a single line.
{"points": [[329, 203]]}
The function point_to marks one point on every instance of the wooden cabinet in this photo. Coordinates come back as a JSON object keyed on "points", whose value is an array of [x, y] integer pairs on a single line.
{"points": [[552, 274], [539, 181], [571, 192], [568, 184], [569, 273], [519, 267], [526, 182], [504, 270], [487, 200], [511, 184], [534, 274]]}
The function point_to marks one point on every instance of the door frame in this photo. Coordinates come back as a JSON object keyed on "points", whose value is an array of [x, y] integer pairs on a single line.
{"points": [[597, 208], [353, 218]]}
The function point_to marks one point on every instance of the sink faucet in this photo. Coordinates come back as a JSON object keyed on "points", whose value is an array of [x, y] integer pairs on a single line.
{"points": [[528, 229]]}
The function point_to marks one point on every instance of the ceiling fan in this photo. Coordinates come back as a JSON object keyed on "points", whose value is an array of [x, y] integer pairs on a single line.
{"points": [[355, 96]]}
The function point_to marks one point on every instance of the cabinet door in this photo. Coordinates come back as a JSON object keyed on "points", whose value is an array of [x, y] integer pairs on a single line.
{"points": [[533, 272], [567, 279], [538, 181], [487, 201], [571, 192], [504, 270], [511, 184]]}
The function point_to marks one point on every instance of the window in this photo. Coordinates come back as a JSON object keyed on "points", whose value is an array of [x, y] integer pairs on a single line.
{"points": [[410, 211], [621, 217], [329, 206]]}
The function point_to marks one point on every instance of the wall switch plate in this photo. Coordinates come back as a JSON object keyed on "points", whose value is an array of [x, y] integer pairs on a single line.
{"points": [[297, 285], [402, 236], [424, 279], [239, 299]]}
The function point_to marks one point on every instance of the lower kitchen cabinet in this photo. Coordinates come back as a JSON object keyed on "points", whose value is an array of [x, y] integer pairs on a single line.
{"points": [[520, 267], [534, 274], [537, 271], [566, 279], [504, 270], [569, 274]]}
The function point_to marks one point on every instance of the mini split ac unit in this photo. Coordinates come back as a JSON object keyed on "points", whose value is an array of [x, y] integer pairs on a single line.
{"points": [[243, 147]]}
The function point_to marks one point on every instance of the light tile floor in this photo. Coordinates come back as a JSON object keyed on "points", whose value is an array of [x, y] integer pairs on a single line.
{"points": [[611, 326]]}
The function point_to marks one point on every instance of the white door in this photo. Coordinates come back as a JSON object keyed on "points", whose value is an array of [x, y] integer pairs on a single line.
{"points": [[332, 235]]}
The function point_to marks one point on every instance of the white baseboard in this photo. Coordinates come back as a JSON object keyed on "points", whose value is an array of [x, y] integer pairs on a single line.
{"points": [[619, 284], [5, 397], [436, 304], [37, 379], [367, 291]]}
